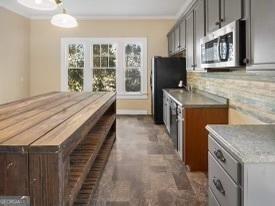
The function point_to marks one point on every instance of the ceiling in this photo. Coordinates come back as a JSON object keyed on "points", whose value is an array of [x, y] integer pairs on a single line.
{"points": [[153, 9]]}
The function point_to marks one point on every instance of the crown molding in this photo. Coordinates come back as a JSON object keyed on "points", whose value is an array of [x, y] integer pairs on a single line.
{"points": [[111, 17], [21, 13], [185, 7]]}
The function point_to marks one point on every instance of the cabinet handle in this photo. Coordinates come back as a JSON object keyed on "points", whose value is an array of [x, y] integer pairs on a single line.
{"points": [[218, 153], [218, 185], [222, 20], [246, 61], [217, 23]]}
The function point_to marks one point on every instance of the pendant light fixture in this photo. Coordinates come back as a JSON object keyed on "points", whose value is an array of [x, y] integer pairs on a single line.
{"points": [[64, 20], [43, 5]]}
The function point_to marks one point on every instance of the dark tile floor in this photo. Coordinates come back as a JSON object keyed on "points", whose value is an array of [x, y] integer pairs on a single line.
{"points": [[143, 169]]}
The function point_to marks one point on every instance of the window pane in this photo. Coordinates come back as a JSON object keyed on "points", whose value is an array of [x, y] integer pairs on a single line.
{"points": [[96, 61], [112, 62], [112, 50], [104, 80], [75, 79], [104, 62], [96, 50], [133, 80], [104, 49], [76, 56], [133, 61], [133, 49]]}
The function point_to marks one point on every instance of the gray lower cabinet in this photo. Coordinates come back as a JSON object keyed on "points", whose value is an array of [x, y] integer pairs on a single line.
{"points": [[236, 183], [212, 15], [261, 31], [190, 64], [224, 176]]}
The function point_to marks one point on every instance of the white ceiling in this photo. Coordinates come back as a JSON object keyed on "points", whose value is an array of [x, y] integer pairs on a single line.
{"points": [[165, 9]]}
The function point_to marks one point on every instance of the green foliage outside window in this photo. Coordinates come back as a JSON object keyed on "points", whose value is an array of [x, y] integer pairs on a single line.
{"points": [[104, 80], [75, 80], [76, 66], [133, 80]]}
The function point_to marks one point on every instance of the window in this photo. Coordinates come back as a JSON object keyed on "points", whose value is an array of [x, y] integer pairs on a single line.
{"points": [[104, 67], [133, 68], [75, 67], [104, 64]]}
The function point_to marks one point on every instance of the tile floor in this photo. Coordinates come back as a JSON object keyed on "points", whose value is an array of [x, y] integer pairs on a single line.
{"points": [[144, 170]]}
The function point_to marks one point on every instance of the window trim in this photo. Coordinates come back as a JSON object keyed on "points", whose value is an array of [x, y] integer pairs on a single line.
{"points": [[120, 69]]}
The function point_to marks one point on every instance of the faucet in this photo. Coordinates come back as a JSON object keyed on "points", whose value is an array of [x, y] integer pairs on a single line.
{"points": [[186, 87]]}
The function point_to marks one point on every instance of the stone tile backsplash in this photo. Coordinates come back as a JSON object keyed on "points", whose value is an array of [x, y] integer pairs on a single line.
{"points": [[250, 93]]}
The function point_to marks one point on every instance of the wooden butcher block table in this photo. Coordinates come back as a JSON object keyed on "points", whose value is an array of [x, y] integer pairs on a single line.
{"points": [[54, 147]]}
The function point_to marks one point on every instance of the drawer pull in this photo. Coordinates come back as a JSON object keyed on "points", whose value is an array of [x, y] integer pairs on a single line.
{"points": [[218, 153], [218, 185]]}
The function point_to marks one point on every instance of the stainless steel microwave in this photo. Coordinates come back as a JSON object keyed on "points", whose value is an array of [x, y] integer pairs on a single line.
{"points": [[224, 48]]}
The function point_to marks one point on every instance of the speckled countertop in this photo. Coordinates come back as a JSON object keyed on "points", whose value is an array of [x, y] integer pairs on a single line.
{"points": [[247, 143], [196, 98]]}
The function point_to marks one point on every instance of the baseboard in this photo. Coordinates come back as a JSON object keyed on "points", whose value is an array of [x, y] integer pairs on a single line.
{"points": [[131, 112]]}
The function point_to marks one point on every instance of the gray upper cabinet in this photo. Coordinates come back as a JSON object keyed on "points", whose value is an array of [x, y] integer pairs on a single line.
{"points": [[182, 34], [261, 32], [199, 32], [190, 41], [177, 38], [231, 10], [171, 43], [222, 12], [213, 15]]}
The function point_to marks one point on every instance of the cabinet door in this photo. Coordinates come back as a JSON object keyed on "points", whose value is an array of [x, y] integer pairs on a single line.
{"points": [[177, 38], [213, 15], [190, 41], [231, 10], [170, 44], [173, 42], [182, 34], [199, 31], [262, 32]]}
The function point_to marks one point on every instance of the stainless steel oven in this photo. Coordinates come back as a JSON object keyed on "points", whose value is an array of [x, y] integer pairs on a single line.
{"points": [[224, 48]]}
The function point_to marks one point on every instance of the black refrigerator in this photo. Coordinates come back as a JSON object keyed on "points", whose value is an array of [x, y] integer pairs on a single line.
{"points": [[167, 72]]}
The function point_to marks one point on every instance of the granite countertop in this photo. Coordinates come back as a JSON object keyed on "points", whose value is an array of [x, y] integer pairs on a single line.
{"points": [[247, 143], [196, 98]]}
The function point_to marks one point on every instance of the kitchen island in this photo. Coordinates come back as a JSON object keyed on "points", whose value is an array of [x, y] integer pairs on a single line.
{"points": [[53, 147]]}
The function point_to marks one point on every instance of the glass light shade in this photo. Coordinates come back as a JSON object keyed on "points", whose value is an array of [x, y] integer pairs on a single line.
{"points": [[64, 20], [44, 5]]}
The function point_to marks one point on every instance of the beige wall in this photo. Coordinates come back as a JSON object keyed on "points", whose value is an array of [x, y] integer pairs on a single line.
{"points": [[45, 49], [14, 56], [238, 117]]}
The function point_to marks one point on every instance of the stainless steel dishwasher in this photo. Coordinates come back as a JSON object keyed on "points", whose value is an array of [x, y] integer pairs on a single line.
{"points": [[174, 123]]}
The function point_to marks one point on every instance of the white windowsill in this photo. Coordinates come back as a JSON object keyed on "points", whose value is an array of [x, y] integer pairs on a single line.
{"points": [[132, 96]]}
